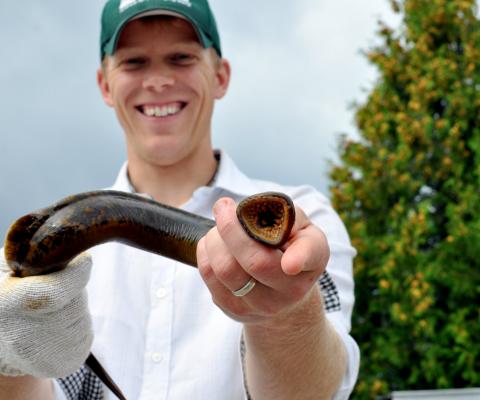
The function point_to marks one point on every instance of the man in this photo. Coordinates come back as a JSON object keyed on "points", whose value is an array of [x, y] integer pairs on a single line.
{"points": [[252, 322]]}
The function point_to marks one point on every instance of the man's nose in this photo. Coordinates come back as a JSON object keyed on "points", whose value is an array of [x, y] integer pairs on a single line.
{"points": [[158, 80]]}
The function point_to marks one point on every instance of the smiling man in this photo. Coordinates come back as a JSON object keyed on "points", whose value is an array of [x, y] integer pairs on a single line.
{"points": [[254, 323], [162, 84]]}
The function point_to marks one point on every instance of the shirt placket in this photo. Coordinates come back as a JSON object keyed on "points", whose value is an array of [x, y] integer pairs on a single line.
{"points": [[158, 338]]}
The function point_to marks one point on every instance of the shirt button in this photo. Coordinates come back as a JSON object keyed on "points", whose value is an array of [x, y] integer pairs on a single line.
{"points": [[157, 357], [161, 293]]}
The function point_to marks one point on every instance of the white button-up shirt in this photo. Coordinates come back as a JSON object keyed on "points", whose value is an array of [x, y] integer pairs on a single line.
{"points": [[157, 331]]}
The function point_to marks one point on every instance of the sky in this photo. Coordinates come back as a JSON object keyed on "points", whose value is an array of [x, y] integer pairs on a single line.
{"points": [[297, 68]]}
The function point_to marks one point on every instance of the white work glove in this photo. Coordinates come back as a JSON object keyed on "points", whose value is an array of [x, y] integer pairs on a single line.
{"points": [[45, 326]]}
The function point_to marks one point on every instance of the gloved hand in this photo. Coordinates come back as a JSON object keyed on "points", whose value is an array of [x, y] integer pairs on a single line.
{"points": [[45, 326]]}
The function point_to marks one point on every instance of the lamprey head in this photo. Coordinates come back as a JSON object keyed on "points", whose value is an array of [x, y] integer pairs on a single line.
{"points": [[267, 217]]}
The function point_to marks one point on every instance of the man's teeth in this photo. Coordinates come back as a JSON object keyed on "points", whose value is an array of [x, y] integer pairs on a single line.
{"points": [[163, 111]]}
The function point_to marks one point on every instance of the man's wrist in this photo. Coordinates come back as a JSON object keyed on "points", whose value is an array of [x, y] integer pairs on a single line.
{"points": [[305, 315], [25, 387]]}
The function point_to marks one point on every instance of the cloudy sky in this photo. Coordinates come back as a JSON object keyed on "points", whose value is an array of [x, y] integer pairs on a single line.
{"points": [[297, 68]]}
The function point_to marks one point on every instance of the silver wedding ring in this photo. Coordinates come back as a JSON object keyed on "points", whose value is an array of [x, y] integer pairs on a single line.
{"points": [[247, 288]]}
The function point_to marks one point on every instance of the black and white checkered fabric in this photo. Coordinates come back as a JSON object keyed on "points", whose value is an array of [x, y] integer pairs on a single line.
{"points": [[330, 293], [84, 385]]}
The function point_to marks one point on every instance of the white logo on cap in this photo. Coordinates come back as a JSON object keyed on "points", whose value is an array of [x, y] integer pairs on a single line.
{"points": [[186, 3], [124, 4]]}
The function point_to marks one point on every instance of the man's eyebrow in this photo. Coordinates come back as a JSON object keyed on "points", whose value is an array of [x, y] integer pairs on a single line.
{"points": [[124, 51], [190, 44], [187, 44]]}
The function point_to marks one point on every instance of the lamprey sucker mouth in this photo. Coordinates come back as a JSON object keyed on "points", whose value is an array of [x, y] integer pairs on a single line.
{"points": [[47, 240]]}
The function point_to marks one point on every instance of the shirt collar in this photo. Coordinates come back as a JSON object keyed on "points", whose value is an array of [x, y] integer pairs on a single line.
{"points": [[228, 179], [122, 182]]}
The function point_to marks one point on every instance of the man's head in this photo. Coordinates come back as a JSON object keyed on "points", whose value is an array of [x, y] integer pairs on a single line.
{"points": [[162, 76], [117, 13]]}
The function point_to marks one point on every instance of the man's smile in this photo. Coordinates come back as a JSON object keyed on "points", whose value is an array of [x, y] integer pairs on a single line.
{"points": [[161, 111]]}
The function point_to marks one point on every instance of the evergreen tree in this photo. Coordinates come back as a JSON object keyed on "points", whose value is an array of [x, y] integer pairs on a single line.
{"points": [[408, 191]]}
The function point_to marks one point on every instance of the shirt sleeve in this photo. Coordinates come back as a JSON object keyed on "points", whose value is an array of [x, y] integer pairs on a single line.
{"points": [[336, 284]]}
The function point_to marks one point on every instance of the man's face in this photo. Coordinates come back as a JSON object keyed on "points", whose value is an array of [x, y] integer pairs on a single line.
{"points": [[162, 84]]}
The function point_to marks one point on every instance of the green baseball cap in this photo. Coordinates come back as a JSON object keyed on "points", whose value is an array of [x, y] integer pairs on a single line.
{"points": [[117, 13]]}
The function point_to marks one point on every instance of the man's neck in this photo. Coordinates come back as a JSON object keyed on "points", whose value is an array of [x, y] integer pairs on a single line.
{"points": [[173, 184]]}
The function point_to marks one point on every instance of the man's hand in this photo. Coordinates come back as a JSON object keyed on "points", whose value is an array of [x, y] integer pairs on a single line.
{"points": [[292, 351], [45, 327], [228, 259]]}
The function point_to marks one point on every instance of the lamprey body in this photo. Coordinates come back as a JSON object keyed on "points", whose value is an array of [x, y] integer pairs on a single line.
{"points": [[46, 240]]}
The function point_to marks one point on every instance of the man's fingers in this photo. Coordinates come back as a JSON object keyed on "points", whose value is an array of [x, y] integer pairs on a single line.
{"points": [[256, 259], [307, 251], [227, 270], [228, 258]]}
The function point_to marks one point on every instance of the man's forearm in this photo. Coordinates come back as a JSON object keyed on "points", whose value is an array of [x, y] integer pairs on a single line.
{"points": [[25, 388], [299, 356]]}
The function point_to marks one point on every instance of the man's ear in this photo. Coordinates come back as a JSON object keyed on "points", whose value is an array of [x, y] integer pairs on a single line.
{"points": [[103, 85], [223, 72]]}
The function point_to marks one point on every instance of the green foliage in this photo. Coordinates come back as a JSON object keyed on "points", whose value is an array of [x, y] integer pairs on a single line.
{"points": [[408, 191]]}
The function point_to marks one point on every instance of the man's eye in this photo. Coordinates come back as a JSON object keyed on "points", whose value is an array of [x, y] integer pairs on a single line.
{"points": [[134, 61], [131, 62], [181, 58]]}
